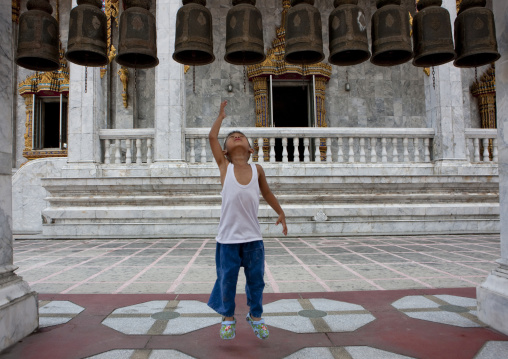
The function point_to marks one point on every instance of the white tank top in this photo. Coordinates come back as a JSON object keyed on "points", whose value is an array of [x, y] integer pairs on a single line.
{"points": [[239, 211]]}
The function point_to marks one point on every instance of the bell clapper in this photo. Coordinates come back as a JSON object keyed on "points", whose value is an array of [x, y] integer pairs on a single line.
{"points": [[347, 87], [476, 74], [244, 79], [194, 79], [86, 78], [433, 78]]}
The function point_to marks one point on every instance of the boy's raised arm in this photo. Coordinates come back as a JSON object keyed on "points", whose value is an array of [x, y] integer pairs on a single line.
{"points": [[213, 137]]}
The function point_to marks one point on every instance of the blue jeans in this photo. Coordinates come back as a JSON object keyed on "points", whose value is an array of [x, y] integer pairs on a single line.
{"points": [[228, 259]]}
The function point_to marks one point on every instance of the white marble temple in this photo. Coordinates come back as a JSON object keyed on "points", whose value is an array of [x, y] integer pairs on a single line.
{"points": [[492, 294]]}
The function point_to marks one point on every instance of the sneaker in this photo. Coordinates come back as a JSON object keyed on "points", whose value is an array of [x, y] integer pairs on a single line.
{"points": [[227, 329], [258, 327]]}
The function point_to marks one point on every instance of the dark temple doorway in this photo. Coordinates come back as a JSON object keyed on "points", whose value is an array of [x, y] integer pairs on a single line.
{"points": [[290, 109]]}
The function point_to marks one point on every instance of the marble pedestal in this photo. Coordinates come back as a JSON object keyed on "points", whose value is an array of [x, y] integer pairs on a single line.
{"points": [[492, 296], [18, 308]]}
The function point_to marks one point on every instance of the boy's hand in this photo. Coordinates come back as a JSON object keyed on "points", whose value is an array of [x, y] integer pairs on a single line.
{"points": [[282, 219], [222, 112]]}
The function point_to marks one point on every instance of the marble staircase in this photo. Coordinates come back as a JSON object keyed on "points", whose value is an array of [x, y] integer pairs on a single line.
{"points": [[329, 200]]}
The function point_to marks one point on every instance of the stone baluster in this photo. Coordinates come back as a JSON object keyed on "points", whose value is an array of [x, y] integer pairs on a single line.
{"points": [[317, 152], [203, 150], [118, 155], [149, 158], [405, 143], [272, 149], [138, 151], [495, 156], [486, 157], [426, 146], [351, 157], [340, 153], [285, 149], [416, 149], [373, 155], [328, 149], [112, 150], [476, 149], [261, 155], [384, 154], [296, 143], [306, 154], [395, 153], [192, 143], [107, 151], [128, 151], [362, 150]]}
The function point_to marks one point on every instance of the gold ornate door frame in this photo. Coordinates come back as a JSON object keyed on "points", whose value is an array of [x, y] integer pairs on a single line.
{"points": [[275, 66]]}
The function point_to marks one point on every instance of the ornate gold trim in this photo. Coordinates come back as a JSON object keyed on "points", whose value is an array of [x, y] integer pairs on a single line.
{"points": [[42, 83], [124, 77], [485, 90], [111, 11], [16, 7]]}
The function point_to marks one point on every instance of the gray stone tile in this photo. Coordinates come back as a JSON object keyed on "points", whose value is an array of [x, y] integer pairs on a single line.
{"points": [[493, 350]]}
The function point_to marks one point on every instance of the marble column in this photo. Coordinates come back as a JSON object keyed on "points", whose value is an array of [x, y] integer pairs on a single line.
{"points": [[87, 113], [492, 294], [169, 88], [444, 106], [18, 304]]}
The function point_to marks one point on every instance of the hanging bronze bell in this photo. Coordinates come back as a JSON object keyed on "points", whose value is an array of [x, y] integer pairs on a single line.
{"points": [[304, 40], [348, 34], [194, 37], [475, 35], [391, 40], [244, 34], [137, 41], [87, 44], [38, 38], [432, 35]]}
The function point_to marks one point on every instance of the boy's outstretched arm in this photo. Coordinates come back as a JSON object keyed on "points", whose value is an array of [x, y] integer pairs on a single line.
{"points": [[213, 137], [271, 199]]}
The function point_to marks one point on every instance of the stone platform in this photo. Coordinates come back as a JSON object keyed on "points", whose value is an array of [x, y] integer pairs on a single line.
{"points": [[388, 297]]}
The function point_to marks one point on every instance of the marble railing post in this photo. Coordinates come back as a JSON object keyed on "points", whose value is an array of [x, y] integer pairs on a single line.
{"points": [[18, 304], [492, 294], [169, 88], [444, 107]]}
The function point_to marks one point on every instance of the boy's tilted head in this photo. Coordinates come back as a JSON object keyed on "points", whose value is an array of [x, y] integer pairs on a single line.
{"points": [[237, 143]]}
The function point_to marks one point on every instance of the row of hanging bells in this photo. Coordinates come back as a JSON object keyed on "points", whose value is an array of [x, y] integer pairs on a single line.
{"points": [[474, 29], [38, 47]]}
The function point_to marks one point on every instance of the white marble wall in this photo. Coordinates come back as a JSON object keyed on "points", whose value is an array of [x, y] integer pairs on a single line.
{"points": [[169, 93], [18, 306], [492, 294]]}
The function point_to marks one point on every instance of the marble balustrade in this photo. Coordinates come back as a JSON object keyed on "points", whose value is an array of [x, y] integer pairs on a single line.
{"points": [[345, 145], [127, 145]]}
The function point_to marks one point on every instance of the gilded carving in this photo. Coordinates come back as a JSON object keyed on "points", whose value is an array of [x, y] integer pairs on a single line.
{"points": [[16, 5], [111, 11], [485, 91], [124, 77]]}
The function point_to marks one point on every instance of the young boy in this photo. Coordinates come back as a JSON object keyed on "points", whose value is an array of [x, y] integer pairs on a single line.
{"points": [[239, 240]]}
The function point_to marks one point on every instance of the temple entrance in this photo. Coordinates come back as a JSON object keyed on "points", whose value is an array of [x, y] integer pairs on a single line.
{"points": [[291, 108]]}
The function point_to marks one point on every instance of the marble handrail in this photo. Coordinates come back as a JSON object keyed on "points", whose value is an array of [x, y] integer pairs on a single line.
{"points": [[127, 145], [481, 144], [344, 144]]}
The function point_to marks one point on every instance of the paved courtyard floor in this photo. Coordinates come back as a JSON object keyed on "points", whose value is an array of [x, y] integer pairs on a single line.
{"points": [[381, 297]]}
